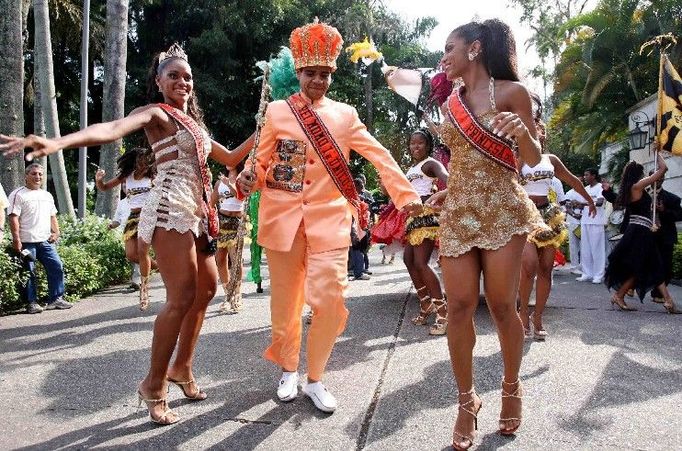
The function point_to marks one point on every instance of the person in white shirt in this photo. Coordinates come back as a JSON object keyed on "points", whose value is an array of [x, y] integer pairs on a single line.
{"points": [[33, 221], [592, 234], [118, 223], [3, 204], [574, 210]]}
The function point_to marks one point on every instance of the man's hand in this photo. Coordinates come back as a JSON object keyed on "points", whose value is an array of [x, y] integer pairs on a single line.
{"points": [[113, 225], [246, 181], [54, 236], [16, 245]]}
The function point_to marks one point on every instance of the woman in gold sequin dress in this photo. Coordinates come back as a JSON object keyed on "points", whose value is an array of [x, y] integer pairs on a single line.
{"points": [[486, 214], [172, 219]]}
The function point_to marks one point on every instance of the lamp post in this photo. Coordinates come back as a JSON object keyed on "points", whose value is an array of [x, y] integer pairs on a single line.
{"points": [[638, 138]]}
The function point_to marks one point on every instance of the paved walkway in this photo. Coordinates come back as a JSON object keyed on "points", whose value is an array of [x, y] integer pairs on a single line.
{"points": [[604, 379]]}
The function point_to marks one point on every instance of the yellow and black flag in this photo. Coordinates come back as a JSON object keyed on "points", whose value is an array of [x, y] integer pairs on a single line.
{"points": [[670, 108]]}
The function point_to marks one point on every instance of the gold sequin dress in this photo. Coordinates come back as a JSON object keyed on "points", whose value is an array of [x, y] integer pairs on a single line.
{"points": [[485, 205]]}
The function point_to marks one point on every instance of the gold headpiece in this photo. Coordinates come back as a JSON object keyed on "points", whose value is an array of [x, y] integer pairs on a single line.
{"points": [[174, 51], [315, 44]]}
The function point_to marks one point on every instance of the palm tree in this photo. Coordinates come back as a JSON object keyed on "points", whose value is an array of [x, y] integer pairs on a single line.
{"points": [[115, 56], [48, 100], [11, 89]]}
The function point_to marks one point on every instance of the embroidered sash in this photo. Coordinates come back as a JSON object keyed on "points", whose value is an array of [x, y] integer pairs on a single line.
{"points": [[492, 146], [198, 135], [328, 151]]}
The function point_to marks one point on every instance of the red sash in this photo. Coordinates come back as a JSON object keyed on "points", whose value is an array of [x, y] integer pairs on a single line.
{"points": [[492, 146], [328, 151], [197, 133]]}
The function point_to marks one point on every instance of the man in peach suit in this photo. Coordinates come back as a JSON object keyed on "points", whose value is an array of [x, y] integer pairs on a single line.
{"points": [[304, 218]]}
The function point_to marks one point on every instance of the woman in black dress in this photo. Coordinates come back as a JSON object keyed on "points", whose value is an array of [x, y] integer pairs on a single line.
{"points": [[635, 261]]}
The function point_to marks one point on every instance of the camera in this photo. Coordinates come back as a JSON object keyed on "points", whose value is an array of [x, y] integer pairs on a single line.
{"points": [[26, 256]]}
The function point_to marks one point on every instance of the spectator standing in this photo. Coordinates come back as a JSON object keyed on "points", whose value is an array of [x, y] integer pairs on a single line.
{"points": [[573, 203], [3, 206], [592, 235], [366, 197], [33, 221]]}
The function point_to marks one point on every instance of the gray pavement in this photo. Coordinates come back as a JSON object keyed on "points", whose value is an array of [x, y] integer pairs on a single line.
{"points": [[604, 379]]}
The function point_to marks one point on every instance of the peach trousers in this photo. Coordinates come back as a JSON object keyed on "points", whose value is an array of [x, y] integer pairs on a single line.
{"points": [[319, 280]]}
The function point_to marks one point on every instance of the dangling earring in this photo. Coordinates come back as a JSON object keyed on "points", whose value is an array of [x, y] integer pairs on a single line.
{"points": [[472, 56]]}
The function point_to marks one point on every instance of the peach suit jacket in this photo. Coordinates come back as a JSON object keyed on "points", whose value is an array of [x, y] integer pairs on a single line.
{"points": [[296, 187]]}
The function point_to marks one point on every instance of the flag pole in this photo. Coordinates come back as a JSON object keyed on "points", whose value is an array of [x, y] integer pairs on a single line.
{"points": [[654, 203]]}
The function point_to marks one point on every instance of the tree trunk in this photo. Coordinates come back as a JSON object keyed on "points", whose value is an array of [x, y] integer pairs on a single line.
{"points": [[11, 89], [48, 100], [115, 57], [38, 121], [369, 121]]}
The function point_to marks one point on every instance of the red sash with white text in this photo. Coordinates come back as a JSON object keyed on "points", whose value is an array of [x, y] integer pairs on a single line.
{"points": [[197, 133], [492, 146], [328, 151]]}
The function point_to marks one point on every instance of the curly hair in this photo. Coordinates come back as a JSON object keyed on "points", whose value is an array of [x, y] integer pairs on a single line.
{"points": [[153, 96], [632, 173], [127, 163]]}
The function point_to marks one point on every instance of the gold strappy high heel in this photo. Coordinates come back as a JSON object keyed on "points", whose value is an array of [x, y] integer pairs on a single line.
{"points": [[518, 394], [144, 293], [670, 306], [467, 440], [198, 395], [425, 310], [538, 334], [620, 302], [440, 327], [163, 420]]}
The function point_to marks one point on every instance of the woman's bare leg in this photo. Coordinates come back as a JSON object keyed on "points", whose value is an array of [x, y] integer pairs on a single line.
{"points": [[176, 253], [529, 269], [207, 281], [543, 285], [461, 277], [131, 251], [501, 272], [421, 258], [146, 262], [415, 276], [221, 261]]}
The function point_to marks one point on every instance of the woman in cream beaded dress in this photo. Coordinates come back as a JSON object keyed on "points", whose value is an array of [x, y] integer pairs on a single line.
{"points": [[486, 214], [175, 219]]}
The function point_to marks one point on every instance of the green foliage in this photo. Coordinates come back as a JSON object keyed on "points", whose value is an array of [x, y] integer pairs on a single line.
{"points": [[92, 255], [677, 258]]}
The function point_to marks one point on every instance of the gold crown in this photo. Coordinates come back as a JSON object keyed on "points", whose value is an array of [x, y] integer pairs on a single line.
{"points": [[174, 51], [315, 44]]}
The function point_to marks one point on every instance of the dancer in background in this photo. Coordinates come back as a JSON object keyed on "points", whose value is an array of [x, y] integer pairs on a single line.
{"points": [[421, 233], [176, 218], [229, 215], [635, 262], [539, 251], [136, 171], [486, 214]]}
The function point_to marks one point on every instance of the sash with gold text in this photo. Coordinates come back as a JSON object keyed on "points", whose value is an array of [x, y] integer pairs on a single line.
{"points": [[197, 133], [327, 149], [492, 146]]}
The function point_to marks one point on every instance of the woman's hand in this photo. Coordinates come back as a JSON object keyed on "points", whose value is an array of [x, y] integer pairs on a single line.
{"points": [[592, 210], [509, 125], [11, 145], [413, 208], [436, 200], [99, 175]]}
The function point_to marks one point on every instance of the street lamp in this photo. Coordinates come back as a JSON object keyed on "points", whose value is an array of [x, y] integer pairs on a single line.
{"points": [[638, 137]]}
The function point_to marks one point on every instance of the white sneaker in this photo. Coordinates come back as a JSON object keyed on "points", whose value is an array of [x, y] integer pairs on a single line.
{"points": [[287, 390], [597, 280], [323, 400], [576, 271], [583, 278]]}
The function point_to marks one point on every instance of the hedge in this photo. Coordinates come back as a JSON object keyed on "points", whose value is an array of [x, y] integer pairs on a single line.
{"points": [[93, 258]]}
